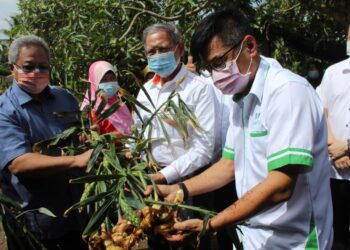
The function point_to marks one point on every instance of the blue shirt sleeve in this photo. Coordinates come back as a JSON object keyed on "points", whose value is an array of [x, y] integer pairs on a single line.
{"points": [[14, 140]]}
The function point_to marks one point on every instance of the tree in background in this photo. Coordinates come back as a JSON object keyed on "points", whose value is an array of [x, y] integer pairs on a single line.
{"points": [[82, 31]]}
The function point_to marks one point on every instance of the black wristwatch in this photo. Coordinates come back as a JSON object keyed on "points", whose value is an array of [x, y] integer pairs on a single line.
{"points": [[184, 189]]}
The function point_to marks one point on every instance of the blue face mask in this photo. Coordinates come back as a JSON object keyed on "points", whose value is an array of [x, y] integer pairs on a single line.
{"points": [[109, 87], [162, 64], [313, 74]]}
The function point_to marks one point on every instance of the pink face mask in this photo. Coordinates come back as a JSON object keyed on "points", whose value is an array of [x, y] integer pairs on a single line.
{"points": [[33, 82], [229, 80]]}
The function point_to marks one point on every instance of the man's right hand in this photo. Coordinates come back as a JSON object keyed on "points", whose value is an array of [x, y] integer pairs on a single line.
{"points": [[338, 149], [343, 162]]}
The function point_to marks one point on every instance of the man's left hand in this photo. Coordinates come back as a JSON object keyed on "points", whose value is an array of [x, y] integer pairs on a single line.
{"points": [[189, 228]]}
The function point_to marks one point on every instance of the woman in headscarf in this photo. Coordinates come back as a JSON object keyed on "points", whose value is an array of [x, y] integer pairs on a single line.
{"points": [[103, 76]]}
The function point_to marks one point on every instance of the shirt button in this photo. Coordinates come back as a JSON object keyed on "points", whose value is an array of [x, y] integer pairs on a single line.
{"points": [[347, 125]]}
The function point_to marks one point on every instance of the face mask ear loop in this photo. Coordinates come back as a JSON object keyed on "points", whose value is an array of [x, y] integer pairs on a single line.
{"points": [[176, 47], [250, 64], [239, 52]]}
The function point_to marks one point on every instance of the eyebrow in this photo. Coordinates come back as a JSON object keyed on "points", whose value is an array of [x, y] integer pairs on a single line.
{"points": [[215, 58], [37, 63]]}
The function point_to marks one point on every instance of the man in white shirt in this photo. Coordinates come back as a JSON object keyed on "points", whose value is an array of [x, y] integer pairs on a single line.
{"points": [[164, 49], [334, 93], [226, 195], [276, 145], [178, 160]]}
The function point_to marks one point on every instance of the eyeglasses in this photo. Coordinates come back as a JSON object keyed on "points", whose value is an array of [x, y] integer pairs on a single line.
{"points": [[31, 68], [219, 63]]}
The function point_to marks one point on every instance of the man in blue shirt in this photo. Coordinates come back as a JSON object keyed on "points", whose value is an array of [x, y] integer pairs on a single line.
{"points": [[27, 115]]}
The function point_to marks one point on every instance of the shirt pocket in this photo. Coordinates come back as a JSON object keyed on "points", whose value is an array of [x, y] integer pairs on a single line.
{"points": [[62, 121], [258, 135]]}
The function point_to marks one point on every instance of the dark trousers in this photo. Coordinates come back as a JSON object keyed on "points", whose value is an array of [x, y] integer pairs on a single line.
{"points": [[223, 198], [341, 213], [71, 241]]}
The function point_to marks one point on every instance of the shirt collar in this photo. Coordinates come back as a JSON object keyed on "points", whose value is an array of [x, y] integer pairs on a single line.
{"points": [[348, 60], [178, 79], [23, 97], [257, 88]]}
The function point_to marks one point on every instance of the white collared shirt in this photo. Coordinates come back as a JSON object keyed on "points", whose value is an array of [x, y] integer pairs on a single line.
{"points": [[281, 122], [334, 92], [179, 160], [225, 104]]}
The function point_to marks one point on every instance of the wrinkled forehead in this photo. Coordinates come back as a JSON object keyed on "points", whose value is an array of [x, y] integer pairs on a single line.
{"points": [[32, 53], [158, 38]]}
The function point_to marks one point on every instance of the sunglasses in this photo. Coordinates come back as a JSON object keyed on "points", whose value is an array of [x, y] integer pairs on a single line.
{"points": [[31, 68], [219, 63]]}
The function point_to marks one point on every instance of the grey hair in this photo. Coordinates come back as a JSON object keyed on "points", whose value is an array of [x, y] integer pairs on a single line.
{"points": [[24, 41], [167, 27]]}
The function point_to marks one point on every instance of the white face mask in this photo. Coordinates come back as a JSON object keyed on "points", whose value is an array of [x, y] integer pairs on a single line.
{"points": [[348, 47]]}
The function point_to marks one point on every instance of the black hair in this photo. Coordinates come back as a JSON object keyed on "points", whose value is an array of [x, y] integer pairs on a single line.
{"points": [[230, 25], [317, 64]]}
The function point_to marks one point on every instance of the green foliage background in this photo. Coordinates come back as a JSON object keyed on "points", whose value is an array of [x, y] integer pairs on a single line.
{"points": [[82, 31]]}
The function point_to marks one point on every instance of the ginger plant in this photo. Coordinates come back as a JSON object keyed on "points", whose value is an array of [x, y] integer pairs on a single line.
{"points": [[117, 173]]}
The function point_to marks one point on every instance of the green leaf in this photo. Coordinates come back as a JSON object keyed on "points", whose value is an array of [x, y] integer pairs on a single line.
{"points": [[113, 161], [113, 108], [167, 137], [102, 105], [64, 135], [134, 203], [88, 201], [94, 178], [134, 101], [97, 218], [139, 83], [9, 201], [95, 154], [139, 167], [46, 211]]}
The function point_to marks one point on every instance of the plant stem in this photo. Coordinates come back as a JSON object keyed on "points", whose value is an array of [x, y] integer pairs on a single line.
{"points": [[176, 205]]}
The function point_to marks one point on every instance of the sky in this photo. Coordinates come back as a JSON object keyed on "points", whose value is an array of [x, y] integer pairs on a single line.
{"points": [[7, 8]]}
